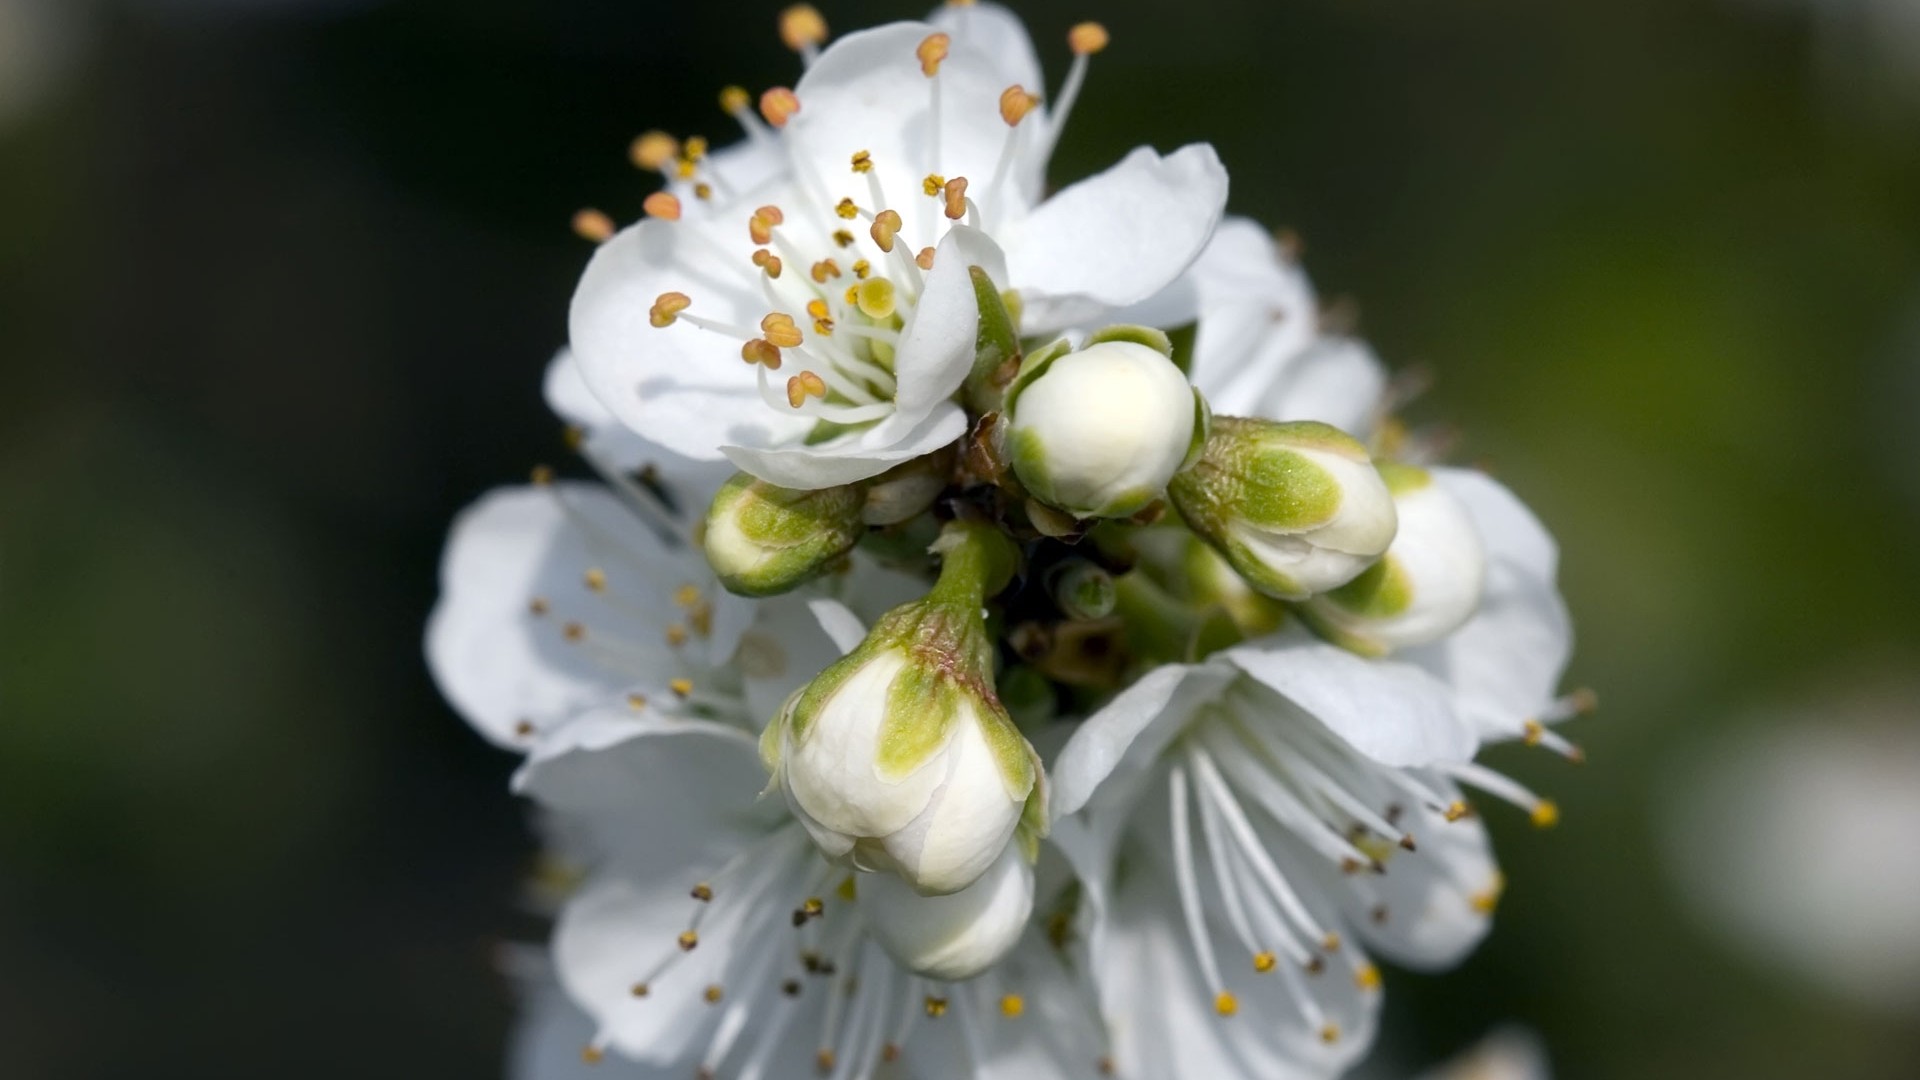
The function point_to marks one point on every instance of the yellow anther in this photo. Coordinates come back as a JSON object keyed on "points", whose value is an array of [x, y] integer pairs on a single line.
{"points": [[682, 688], [676, 635], [933, 184], [1487, 899], [592, 1055], [733, 99], [932, 50], [1366, 977], [666, 307], [823, 327], [1263, 962], [843, 238], [1012, 1005], [639, 990], [862, 161], [817, 308], [538, 606], [636, 702], [596, 579], [713, 994], [573, 631], [778, 106], [1314, 965], [924, 260], [703, 191], [780, 332], [1015, 104], [846, 209], [688, 594], [1331, 942], [1330, 1034], [1532, 732], [955, 191], [685, 168], [1546, 814], [861, 268], [593, 225], [663, 205], [703, 892], [694, 149], [771, 264], [886, 225], [1087, 38], [802, 25], [936, 1006], [823, 1060], [1225, 1003], [653, 150], [524, 729], [763, 352], [824, 269], [541, 476], [688, 939], [853, 295], [1456, 810], [803, 386], [875, 298], [1584, 700]]}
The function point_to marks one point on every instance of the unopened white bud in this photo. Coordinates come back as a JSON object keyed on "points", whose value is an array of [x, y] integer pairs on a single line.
{"points": [[899, 757], [956, 936], [1296, 508], [1099, 432], [1425, 586]]}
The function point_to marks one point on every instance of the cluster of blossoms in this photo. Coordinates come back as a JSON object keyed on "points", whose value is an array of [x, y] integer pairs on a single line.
{"points": [[1009, 633]]}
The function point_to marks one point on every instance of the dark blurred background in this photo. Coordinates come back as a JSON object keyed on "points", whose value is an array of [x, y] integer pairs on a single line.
{"points": [[278, 280]]}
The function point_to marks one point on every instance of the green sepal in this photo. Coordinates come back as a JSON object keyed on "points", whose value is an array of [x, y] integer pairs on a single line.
{"points": [[1156, 340], [762, 539], [996, 346], [922, 705], [1034, 365]]}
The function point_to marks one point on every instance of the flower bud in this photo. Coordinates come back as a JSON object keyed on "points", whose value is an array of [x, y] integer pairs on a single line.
{"points": [[1099, 432], [1425, 586], [899, 756], [955, 936], [1296, 508], [762, 540]]}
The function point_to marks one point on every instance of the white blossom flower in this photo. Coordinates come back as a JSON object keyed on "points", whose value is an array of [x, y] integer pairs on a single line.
{"points": [[1100, 430], [832, 250], [1246, 829]]}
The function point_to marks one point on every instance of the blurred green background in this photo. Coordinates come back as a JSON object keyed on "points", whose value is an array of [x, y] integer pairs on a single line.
{"points": [[278, 281]]}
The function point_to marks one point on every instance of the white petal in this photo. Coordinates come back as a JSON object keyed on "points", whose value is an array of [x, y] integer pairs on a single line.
{"points": [[1394, 713], [551, 1032], [502, 665], [680, 386], [1115, 238], [1257, 312], [1509, 1053], [652, 793], [1505, 664], [1121, 741], [937, 347], [688, 484], [857, 456], [866, 92], [956, 936], [839, 622], [1429, 894]]}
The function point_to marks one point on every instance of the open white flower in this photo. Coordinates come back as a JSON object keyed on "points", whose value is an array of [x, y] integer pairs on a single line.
{"points": [[1246, 828], [839, 252]]}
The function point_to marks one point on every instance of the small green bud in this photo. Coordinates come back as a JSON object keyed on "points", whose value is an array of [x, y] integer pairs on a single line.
{"points": [[762, 540], [1081, 590], [1296, 508]]}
